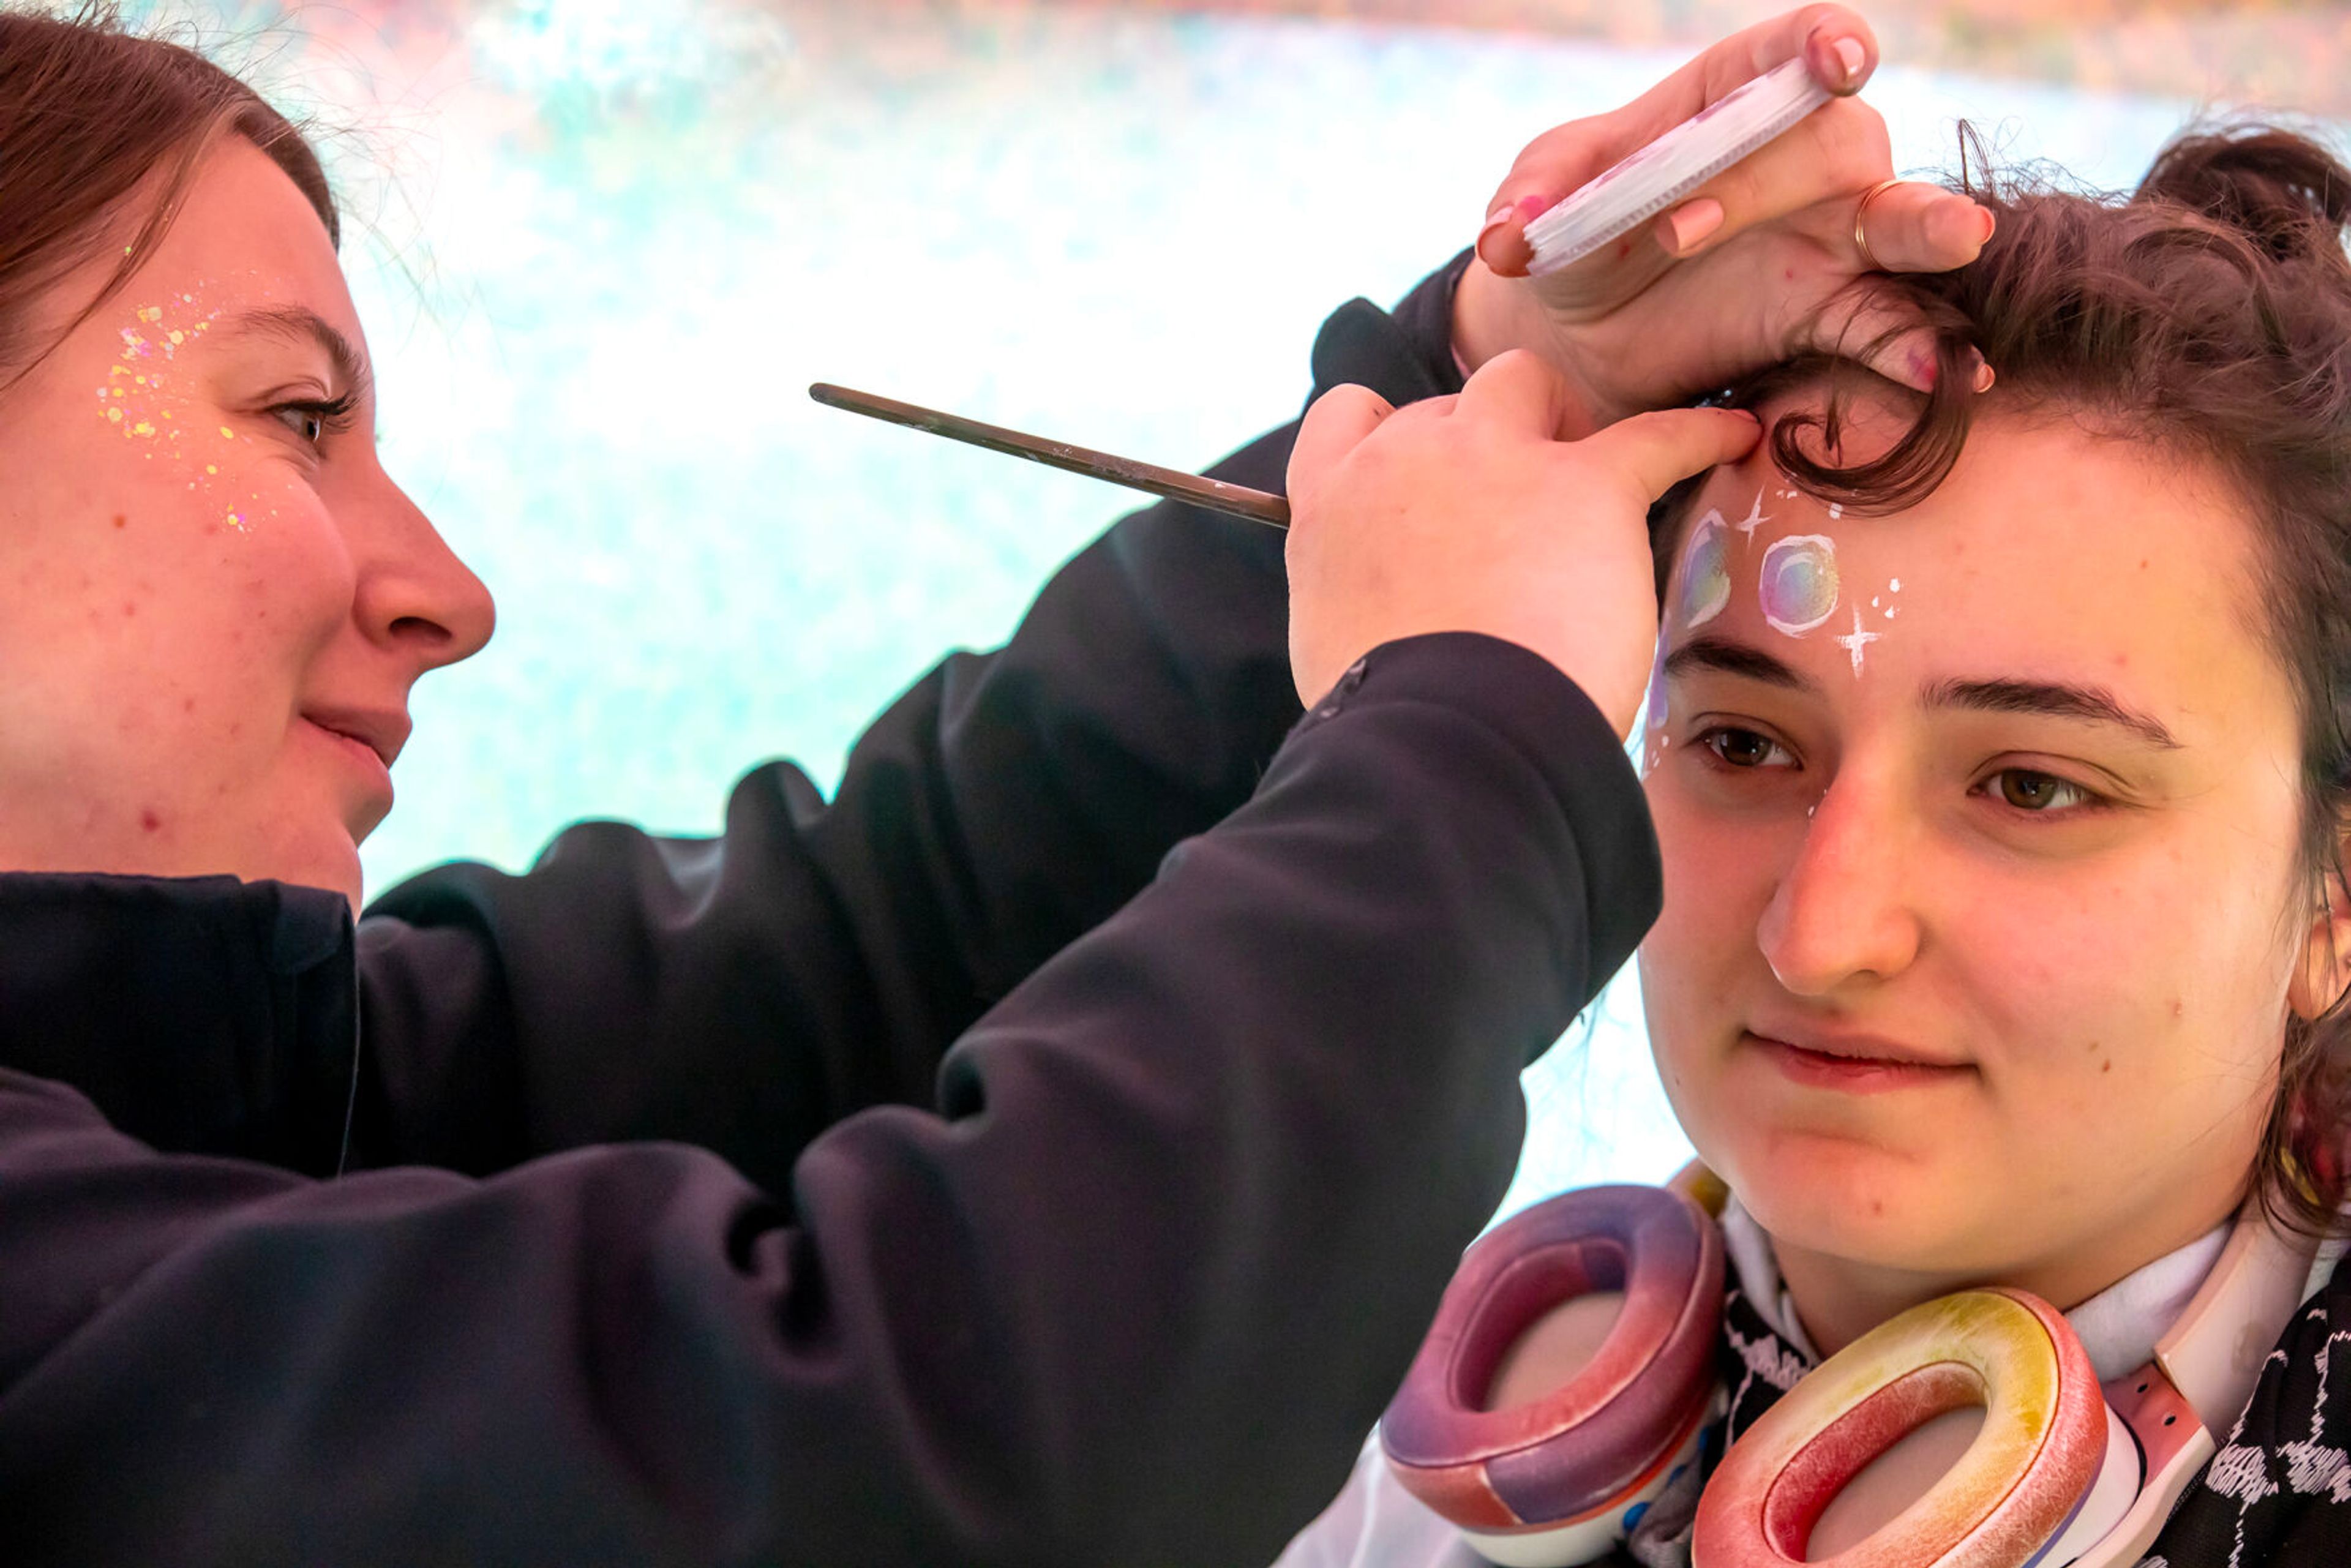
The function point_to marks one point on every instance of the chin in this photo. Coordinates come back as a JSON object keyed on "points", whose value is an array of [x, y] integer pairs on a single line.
{"points": [[1847, 1198]]}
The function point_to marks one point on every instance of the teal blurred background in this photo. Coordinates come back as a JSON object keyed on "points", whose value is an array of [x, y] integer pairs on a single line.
{"points": [[602, 247]]}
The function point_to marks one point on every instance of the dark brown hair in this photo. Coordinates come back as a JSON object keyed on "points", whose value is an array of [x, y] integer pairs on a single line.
{"points": [[2208, 312], [88, 114]]}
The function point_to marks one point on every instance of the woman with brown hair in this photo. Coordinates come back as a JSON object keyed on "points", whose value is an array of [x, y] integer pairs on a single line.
{"points": [[1048, 1150], [2000, 763]]}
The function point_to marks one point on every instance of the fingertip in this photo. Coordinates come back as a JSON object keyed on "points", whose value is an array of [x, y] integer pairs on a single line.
{"points": [[1840, 61], [1502, 243]]}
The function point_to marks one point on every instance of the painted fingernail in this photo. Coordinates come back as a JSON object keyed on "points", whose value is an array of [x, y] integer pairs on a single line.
{"points": [[1691, 223], [1852, 55]]}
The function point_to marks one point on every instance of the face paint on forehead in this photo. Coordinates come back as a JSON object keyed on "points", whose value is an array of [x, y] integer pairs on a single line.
{"points": [[1755, 518], [1705, 573], [1798, 583]]}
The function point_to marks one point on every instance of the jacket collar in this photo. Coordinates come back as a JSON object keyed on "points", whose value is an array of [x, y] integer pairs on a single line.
{"points": [[201, 1015]]}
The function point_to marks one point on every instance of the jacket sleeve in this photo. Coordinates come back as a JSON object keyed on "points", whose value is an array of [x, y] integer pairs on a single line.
{"points": [[746, 992], [1129, 1292]]}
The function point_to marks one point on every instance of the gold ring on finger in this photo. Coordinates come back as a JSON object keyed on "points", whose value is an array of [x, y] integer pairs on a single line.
{"points": [[1860, 213]]}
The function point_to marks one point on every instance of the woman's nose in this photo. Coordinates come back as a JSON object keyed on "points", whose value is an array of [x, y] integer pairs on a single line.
{"points": [[413, 593], [1843, 914]]}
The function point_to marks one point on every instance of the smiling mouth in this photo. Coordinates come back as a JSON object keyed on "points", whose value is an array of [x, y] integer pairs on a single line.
{"points": [[1853, 1074]]}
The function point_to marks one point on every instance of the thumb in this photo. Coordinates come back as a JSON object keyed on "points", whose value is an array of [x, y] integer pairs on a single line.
{"points": [[1656, 451], [1334, 425]]}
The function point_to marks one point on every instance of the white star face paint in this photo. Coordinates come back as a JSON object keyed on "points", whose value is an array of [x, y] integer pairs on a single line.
{"points": [[1754, 518], [1798, 583], [1857, 641]]}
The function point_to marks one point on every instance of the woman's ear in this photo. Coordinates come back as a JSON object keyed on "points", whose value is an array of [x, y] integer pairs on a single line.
{"points": [[2323, 973]]}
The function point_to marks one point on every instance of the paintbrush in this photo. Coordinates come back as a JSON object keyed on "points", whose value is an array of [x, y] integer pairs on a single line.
{"points": [[1239, 500]]}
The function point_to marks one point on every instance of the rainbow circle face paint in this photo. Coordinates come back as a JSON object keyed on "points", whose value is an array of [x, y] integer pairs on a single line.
{"points": [[1705, 573], [1798, 583]]}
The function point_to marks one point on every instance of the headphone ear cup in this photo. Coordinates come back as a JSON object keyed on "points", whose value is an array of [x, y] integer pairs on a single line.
{"points": [[1550, 1478], [2048, 1435]]}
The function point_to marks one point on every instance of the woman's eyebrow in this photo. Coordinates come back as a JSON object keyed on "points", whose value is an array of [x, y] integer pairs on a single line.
{"points": [[2053, 699], [1722, 654], [300, 324]]}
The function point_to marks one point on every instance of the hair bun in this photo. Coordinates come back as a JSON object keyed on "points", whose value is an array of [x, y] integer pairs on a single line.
{"points": [[2281, 189]]}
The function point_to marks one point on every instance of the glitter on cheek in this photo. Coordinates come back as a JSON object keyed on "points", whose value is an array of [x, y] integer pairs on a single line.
{"points": [[1705, 573], [1798, 583]]}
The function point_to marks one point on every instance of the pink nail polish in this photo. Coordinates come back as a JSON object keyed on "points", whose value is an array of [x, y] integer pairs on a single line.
{"points": [[1691, 223]]}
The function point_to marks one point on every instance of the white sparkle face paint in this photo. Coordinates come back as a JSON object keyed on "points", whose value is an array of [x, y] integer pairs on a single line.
{"points": [[1705, 573], [1857, 641], [1754, 518], [1798, 583]]}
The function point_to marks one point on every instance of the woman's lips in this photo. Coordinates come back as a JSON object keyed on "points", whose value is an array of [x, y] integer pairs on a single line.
{"points": [[1854, 1074], [363, 755]]}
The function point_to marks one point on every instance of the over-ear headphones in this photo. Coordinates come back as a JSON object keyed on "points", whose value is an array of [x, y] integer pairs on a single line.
{"points": [[1547, 1469]]}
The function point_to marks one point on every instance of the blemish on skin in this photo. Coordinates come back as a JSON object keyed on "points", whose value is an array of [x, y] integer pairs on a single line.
{"points": [[120, 521], [2107, 1065], [150, 820], [1705, 573], [187, 704], [1798, 583], [2178, 1008]]}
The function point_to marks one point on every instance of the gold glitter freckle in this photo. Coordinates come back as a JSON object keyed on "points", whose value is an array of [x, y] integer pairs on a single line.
{"points": [[226, 433], [143, 428], [115, 416], [178, 337], [152, 313], [141, 380]]}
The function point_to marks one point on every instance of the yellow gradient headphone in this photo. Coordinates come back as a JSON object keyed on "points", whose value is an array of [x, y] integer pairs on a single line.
{"points": [[1548, 1467]]}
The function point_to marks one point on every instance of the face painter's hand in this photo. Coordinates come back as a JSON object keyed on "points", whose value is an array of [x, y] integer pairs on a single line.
{"points": [[1469, 514], [1756, 265]]}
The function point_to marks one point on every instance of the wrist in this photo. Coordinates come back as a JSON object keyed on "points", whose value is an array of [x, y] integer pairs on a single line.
{"points": [[1493, 315]]}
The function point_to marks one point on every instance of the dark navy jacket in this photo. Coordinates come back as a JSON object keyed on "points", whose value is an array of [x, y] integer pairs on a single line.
{"points": [[1049, 1151]]}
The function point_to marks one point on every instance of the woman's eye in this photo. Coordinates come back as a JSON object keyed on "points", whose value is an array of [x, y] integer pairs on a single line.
{"points": [[303, 420], [2028, 791], [313, 421], [1743, 747]]}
